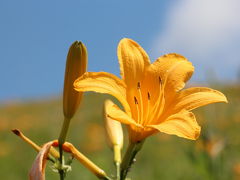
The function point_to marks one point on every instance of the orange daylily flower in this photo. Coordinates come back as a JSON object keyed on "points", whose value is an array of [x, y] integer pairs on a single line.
{"points": [[151, 94]]}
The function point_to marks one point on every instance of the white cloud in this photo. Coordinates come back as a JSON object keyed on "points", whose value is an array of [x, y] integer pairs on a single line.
{"points": [[207, 32]]}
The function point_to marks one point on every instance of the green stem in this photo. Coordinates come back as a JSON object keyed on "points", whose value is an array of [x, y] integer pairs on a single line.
{"points": [[61, 140], [61, 174], [61, 171], [129, 156], [117, 160], [64, 130], [105, 178], [51, 158], [118, 170]]}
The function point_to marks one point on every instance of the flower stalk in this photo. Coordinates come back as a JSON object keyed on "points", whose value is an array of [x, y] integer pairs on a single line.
{"points": [[61, 141], [129, 157], [115, 137], [117, 160], [64, 131], [76, 65]]}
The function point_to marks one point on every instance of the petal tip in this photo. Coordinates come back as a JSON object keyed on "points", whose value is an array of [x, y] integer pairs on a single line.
{"points": [[197, 133], [128, 42], [125, 40], [175, 55], [225, 99]]}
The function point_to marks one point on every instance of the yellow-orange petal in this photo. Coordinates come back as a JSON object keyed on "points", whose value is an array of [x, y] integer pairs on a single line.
{"points": [[182, 124], [132, 60], [114, 112], [103, 82], [195, 97], [174, 69], [37, 171]]}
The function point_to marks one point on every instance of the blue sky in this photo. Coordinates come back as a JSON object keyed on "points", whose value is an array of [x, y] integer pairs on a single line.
{"points": [[35, 36]]}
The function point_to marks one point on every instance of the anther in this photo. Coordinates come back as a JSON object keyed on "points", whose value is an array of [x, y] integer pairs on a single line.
{"points": [[148, 94], [138, 85], [160, 80], [135, 100]]}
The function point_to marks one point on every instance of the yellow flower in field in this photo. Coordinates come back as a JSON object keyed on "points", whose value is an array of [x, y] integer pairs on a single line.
{"points": [[151, 94]]}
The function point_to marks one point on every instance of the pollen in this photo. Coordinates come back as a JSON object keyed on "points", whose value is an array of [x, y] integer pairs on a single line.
{"points": [[135, 100], [138, 85], [159, 80], [148, 95]]}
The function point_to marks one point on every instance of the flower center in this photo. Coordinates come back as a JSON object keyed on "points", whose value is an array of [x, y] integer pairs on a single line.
{"points": [[142, 108], [146, 113]]}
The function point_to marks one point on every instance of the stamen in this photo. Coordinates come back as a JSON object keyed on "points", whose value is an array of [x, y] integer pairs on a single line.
{"points": [[149, 97], [147, 108], [135, 100], [159, 80], [159, 105], [161, 99], [138, 113], [138, 85], [141, 102]]}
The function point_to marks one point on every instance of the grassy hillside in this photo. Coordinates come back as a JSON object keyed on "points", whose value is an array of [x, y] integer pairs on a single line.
{"points": [[215, 155]]}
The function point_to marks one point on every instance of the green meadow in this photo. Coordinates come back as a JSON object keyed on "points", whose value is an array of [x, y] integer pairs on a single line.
{"points": [[215, 155]]}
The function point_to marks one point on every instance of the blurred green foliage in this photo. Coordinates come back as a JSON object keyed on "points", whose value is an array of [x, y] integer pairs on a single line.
{"points": [[215, 155]]}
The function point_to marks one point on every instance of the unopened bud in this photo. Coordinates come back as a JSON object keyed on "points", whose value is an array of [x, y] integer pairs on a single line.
{"points": [[114, 133], [75, 66]]}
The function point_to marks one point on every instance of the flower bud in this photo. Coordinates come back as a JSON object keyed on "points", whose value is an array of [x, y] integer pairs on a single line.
{"points": [[75, 66], [114, 133]]}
